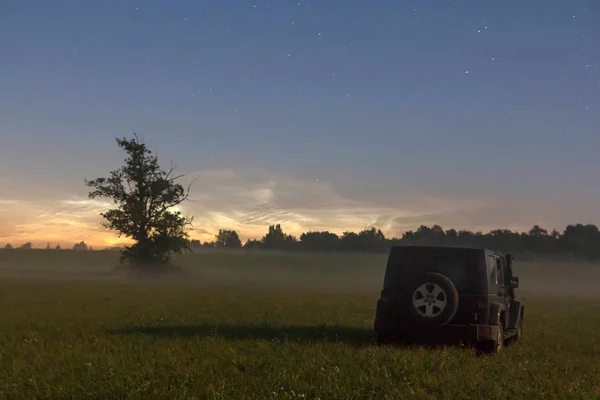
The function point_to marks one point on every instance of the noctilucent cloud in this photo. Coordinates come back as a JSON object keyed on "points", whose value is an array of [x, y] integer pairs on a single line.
{"points": [[337, 115]]}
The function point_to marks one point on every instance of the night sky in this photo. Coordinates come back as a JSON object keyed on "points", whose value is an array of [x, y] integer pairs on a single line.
{"points": [[335, 115]]}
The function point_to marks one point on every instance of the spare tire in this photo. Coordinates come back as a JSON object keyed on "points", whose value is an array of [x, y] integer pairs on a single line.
{"points": [[433, 299]]}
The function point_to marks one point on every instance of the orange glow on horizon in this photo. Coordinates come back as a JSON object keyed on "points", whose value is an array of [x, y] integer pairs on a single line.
{"points": [[249, 201]]}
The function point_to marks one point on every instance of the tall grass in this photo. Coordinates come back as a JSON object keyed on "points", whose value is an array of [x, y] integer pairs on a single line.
{"points": [[130, 338]]}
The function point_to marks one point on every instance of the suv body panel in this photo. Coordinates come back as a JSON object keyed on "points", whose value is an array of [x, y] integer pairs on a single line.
{"points": [[486, 298]]}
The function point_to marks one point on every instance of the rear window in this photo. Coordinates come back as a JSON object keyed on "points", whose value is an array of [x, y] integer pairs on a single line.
{"points": [[405, 264]]}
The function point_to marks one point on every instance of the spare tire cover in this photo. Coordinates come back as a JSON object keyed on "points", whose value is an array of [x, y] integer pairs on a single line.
{"points": [[433, 299]]}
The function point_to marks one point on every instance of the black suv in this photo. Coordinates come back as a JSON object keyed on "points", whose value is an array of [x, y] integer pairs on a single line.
{"points": [[446, 295]]}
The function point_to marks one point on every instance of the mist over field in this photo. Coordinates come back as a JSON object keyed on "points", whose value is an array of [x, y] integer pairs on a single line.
{"points": [[259, 270]]}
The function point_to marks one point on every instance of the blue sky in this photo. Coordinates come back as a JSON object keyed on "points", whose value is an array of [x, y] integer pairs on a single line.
{"points": [[332, 115]]}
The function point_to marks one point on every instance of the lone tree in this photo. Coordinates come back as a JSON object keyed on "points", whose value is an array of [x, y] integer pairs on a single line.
{"points": [[144, 195]]}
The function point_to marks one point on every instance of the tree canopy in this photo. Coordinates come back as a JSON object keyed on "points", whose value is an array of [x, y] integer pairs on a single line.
{"points": [[79, 246], [144, 196], [228, 239]]}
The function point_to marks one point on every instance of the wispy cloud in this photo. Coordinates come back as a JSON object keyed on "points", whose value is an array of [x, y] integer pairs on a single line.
{"points": [[250, 200], [247, 200], [57, 221]]}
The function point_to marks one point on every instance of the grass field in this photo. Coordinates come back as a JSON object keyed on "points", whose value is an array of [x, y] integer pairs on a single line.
{"points": [[262, 326]]}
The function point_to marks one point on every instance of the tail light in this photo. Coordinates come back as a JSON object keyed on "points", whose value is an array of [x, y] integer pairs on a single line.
{"points": [[485, 330]]}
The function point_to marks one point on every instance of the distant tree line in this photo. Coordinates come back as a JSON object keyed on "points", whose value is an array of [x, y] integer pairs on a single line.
{"points": [[28, 246], [576, 241]]}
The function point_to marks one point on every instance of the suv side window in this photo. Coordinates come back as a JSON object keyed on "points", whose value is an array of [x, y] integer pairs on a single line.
{"points": [[501, 267], [492, 265]]}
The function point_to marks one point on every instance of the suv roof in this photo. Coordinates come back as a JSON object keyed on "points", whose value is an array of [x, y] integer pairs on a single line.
{"points": [[432, 247]]}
